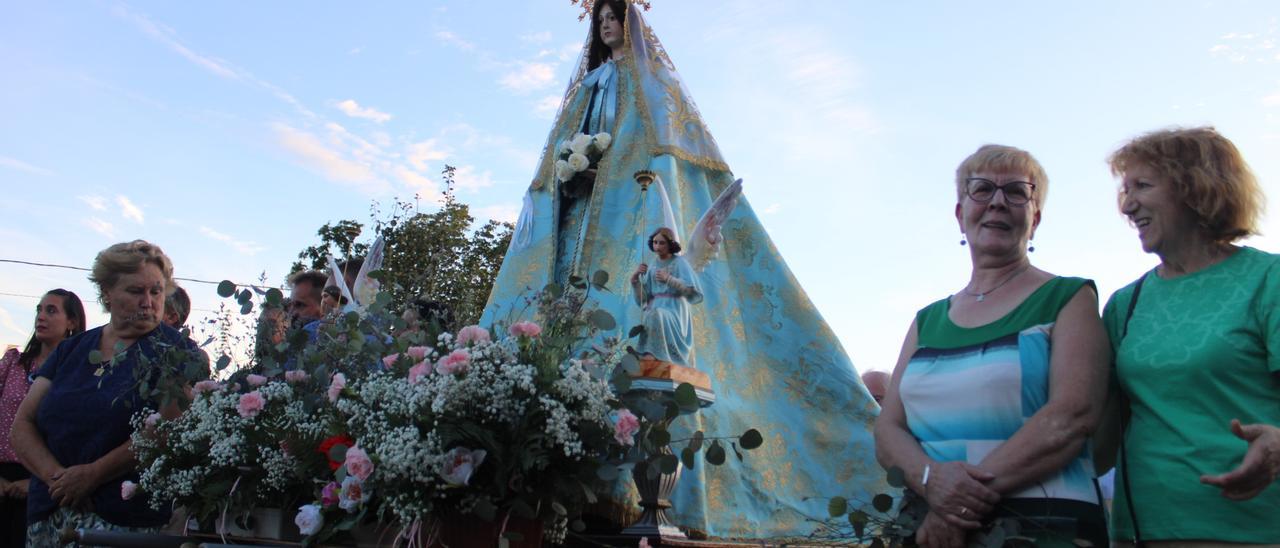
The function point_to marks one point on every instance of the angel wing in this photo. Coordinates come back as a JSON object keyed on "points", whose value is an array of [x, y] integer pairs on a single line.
{"points": [[366, 288], [704, 241]]}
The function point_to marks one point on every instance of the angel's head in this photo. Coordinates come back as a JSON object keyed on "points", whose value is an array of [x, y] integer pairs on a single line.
{"points": [[663, 242]]}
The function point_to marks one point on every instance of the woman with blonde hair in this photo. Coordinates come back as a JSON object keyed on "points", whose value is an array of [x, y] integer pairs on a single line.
{"points": [[1197, 348], [999, 385]]}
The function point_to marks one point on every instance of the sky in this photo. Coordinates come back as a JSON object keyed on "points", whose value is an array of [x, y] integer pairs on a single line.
{"points": [[228, 132]]}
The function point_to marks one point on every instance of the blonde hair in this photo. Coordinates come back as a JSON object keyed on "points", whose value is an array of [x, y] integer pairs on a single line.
{"points": [[1208, 173], [1004, 159], [128, 258]]}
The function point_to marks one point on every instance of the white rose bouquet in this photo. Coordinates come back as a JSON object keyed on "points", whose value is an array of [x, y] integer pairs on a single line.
{"points": [[580, 153]]}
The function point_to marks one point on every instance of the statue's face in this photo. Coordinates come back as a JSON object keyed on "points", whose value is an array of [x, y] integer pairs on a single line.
{"points": [[609, 27]]}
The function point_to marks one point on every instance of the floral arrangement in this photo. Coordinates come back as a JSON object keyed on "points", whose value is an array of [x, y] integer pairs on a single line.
{"points": [[368, 422], [579, 154]]}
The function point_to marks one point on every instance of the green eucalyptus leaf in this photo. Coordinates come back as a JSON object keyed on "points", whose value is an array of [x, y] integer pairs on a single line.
{"points": [[554, 290], [226, 289], [882, 503], [896, 477], [635, 331], [695, 441], [837, 506], [673, 409], [688, 458], [751, 439], [715, 454], [244, 296], [686, 396], [602, 319], [629, 364], [858, 519], [246, 307], [659, 437], [668, 464], [600, 279], [223, 361], [275, 297]]}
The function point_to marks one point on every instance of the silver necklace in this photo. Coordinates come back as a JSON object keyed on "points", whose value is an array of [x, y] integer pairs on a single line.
{"points": [[983, 296]]}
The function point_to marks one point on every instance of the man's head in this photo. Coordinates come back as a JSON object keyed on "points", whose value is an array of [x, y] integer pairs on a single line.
{"points": [[305, 297], [177, 306], [877, 383]]}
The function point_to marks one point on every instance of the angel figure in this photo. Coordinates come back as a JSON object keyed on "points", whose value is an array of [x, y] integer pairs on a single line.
{"points": [[665, 293]]}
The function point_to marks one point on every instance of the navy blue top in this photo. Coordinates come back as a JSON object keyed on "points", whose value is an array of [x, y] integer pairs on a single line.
{"points": [[82, 420]]}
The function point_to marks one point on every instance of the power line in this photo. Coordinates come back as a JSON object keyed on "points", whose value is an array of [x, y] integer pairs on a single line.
{"points": [[83, 269], [38, 297]]}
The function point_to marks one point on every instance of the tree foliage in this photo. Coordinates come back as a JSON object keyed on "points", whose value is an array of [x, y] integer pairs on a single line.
{"points": [[433, 257]]}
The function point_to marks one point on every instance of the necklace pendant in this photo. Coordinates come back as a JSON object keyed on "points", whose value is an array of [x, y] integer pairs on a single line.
{"points": [[982, 297]]}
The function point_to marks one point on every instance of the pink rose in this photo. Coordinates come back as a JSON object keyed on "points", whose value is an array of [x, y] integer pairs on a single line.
{"points": [[472, 334], [296, 376], [256, 380], [151, 420], [329, 495], [358, 463], [418, 371], [459, 464], [455, 362], [418, 353], [352, 494], [206, 386], [128, 489], [625, 426], [251, 404], [336, 385], [525, 329]]}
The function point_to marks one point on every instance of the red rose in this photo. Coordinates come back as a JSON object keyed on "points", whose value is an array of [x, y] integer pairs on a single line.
{"points": [[328, 444]]}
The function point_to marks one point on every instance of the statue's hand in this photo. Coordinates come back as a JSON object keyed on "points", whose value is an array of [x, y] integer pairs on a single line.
{"points": [[640, 270], [662, 275]]}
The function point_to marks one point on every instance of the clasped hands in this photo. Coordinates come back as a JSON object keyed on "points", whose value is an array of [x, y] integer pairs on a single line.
{"points": [[660, 274], [959, 499], [72, 486]]}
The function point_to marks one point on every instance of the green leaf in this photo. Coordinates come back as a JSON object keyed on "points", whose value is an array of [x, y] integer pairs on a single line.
{"points": [[635, 331], [837, 506], [554, 290], [578, 526], [223, 361], [673, 409], [600, 279], [858, 519], [687, 458], [751, 439], [686, 396], [896, 477], [246, 307], [882, 503], [244, 296], [715, 454], [275, 297], [695, 442], [602, 320], [629, 364], [559, 509], [659, 437], [668, 464], [736, 452], [226, 289]]}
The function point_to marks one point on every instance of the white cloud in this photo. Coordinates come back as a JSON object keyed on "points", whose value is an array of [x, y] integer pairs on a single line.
{"points": [[506, 213], [771, 209], [356, 50], [528, 77], [417, 182], [466, 178], [23, 166], [128, 209], [6, 321], [101, 227], [166, 36], [546, 107], [419, 154], [354, 110], [244, 247], [536, 37], [325, 160], [454, 40], [1272, 100], [97, 203]]}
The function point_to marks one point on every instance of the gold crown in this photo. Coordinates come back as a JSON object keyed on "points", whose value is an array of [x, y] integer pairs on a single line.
{"points": [[587, 5]]}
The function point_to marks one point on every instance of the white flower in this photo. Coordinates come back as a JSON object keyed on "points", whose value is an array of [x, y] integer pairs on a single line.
{"points": [[459, 463], [309, 519], [602, 141], [580, 143], [563, 171], [562, 147], [352, 494], [128, 489], [578, 162]]}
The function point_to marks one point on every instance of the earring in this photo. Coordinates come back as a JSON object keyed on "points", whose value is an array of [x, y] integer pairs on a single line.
{"points": [[963, 241], [1031, 249]]}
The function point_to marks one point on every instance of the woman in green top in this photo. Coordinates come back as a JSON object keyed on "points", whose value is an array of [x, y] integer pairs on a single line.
{"points": [[1197, 353]]}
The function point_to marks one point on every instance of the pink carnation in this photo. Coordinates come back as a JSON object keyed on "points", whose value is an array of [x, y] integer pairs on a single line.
{"points": [[358, 463], [151, 420], [417, 353], [625, 426], [256, 380], [418, 371], [455, 362], [472, 334], [525, 329], [207, 386], [296, 376], [128, 489], [336, 385], [251, 404], [459, 464], [329, 495]]}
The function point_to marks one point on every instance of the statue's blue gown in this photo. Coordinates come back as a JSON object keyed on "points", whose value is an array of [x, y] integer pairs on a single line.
{"points": [[774, 363]]}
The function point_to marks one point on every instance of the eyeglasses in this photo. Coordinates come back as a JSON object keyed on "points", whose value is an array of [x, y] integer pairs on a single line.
{"points": [[983, 190]]}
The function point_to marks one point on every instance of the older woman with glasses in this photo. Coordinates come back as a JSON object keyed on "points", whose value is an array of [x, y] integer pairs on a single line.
{"points": [[999, 385]]}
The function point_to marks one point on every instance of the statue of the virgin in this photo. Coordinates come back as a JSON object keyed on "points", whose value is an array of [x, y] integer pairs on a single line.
{"points": [[774, 363]]}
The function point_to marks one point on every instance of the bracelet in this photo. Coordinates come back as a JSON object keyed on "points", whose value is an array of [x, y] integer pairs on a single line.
{"points": [[924, 479]]}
